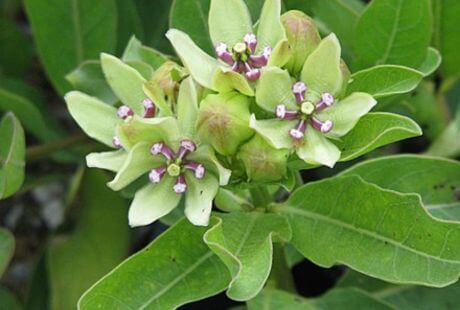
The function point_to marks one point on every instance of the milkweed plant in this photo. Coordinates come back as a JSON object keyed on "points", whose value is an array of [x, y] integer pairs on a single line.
{"points": [[219, 145]]}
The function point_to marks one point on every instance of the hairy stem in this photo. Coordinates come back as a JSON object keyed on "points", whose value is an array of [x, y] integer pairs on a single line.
{"points": [[260, 196]]}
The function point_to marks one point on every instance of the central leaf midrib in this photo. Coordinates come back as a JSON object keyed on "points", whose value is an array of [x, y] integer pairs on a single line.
{"points": [[76, 24], [366, 232], [177, 279]]}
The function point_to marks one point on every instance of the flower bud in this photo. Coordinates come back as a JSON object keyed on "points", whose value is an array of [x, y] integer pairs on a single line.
{"points": [[263, 163], [164, 77], [223, 121], [303, 38]]}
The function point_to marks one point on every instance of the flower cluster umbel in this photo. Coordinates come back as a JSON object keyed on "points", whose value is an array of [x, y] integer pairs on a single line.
{"points": [[241, 57]]}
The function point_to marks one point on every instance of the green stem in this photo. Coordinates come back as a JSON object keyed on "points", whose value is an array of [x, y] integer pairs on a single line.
{"points": [[280, 275], [260, 196], [43, 150]]}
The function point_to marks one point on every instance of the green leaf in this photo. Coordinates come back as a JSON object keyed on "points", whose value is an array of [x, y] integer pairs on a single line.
{"points": [[12, 155], [125, 81], [375, 130], [409, 297], [393, 32], [29, 115], [6, 249], [201, 66], [9, 301], [89, 79], [17, 49], [431, 63], [154, 18], [448, 142], [191, 16], [384, 80], [128, 23], [135, 51], [446, 19], [97, 119], [338, 16], [337, 299], [379, 232], [181, 269], [436, 180], [229, 21], [244, 243], [68, 32], [96, 246]]}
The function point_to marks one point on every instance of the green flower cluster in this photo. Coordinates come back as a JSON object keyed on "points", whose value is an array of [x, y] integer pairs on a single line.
{"points": [[272, 93]]}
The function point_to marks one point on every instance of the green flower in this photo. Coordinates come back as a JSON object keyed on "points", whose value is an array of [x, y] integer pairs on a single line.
{"points": [[310, 111], [177, 164], [240, 52]]}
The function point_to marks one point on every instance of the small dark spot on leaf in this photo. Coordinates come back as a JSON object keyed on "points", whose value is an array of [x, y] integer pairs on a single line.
{"points": [[201, 192]]}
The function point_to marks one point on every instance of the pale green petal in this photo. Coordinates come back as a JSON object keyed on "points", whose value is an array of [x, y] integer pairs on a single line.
{"points": [[138, 162], [226, 80], [229, 21], [274, 88], [205, 155], [199, 197], [97, 119], [346, 113], [153, 90], [152, 202], [187, 108], [125, 81], [281, 54], [317, 149], [270, 30], [107, 160], [149, 130], [202, 67], [321, 71], [275, 131]]}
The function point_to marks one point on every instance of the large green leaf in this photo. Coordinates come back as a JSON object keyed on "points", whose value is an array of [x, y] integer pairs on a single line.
{"points": [[128, 23], [379, 232], [407, 297], [17, 50], [12, 155], [375, 130], [338, 16], [337, 299], [174, 269], [446, 19], [436, 180], [6, 249], [67, 32], [154, 18], [191, 16], [244, 242], [431, 63], [393, 32], [100, 241], [89, 78], [384, 80]]}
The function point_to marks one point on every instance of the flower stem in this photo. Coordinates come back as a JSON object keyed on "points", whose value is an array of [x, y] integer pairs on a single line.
{"points": [[280, 275], [43, 150], [260, 196]]}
